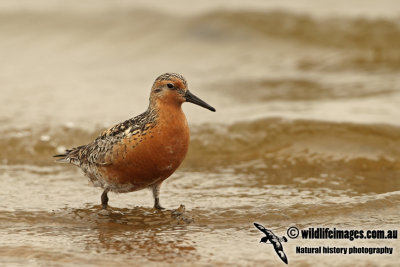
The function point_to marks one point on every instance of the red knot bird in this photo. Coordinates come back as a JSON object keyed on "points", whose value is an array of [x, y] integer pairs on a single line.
{"points": [[143, 151]]}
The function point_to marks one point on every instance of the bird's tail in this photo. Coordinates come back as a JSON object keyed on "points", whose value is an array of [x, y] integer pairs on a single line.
{"points": [[62, 158], [70, 156]]}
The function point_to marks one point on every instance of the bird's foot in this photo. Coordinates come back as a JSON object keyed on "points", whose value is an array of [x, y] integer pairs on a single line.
{"points": [[104, 199], [157, 204], [158, 207]]}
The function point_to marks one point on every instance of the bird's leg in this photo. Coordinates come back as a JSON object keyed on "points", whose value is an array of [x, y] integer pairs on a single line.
{"points": [[156, 193], [104, 198]]}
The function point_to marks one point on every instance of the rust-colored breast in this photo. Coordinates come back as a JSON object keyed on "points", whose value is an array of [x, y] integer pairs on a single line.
{"points": [[151, 156]]}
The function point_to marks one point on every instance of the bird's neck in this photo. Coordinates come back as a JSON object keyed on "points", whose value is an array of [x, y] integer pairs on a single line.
{"points": [[171, 113], [172, 125], [166, 109]]}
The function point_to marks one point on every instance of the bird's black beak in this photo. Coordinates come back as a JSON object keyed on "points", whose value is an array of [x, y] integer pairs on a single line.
{"points": [[195, 100]]}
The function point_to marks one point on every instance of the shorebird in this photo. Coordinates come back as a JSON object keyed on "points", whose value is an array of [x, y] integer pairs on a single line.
{"points": [[143, 151], [274, 240]]}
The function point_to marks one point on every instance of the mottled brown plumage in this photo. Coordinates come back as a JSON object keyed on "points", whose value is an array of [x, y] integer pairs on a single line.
{"points": [[143, 151]]}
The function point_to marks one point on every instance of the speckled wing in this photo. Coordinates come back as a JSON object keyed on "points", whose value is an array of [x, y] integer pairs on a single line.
{"points": [[99, 151], [94, 153]]}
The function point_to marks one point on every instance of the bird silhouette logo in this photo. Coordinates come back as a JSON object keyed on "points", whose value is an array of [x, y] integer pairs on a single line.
{"points": [[274, 240]]}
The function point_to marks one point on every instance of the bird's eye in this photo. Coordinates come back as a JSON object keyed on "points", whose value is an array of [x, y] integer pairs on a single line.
{"points": [[170, 85]]}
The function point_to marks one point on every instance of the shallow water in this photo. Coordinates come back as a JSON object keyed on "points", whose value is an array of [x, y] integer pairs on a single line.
{"points": [[306, 131]]}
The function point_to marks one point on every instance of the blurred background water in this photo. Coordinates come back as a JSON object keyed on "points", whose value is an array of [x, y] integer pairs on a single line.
{"points": [[306, 131]]}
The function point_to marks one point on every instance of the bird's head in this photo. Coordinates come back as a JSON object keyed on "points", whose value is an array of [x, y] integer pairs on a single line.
{"points": [[172, 89], [264, 239]]}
